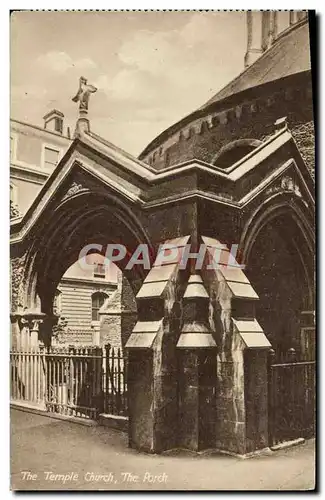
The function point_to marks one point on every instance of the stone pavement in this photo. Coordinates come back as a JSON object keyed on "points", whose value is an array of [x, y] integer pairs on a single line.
{"points": [[50, 454]]}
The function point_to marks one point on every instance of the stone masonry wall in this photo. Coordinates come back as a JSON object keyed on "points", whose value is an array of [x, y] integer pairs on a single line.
{"points": [[118, 315], [252, 118], [304, 135], [17, 272]]}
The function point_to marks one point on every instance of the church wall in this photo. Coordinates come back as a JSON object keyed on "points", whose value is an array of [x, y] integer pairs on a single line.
{"points": [[251, 118]]}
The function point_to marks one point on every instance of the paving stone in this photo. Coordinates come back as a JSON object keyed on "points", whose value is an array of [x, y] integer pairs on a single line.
{"points": [[41, 444]]}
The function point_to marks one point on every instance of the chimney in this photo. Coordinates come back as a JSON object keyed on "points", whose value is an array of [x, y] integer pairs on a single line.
{"points": [[261, 33], [53, 121]]}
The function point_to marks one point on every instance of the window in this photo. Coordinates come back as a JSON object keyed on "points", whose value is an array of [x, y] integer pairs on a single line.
{"points": [[99, 271], [51, 157], [97, 300], [234, 151], [58, 125]]}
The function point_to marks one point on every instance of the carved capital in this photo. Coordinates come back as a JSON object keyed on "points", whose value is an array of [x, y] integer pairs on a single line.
{"points": [[34, 324], [23, 322], [31, 319], [285, 184]]}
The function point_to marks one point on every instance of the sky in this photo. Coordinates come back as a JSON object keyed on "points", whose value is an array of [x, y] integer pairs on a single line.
{"points": [[151, 68]]}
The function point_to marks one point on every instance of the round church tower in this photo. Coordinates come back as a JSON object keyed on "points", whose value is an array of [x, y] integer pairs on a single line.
{"points": [[275, 83]]}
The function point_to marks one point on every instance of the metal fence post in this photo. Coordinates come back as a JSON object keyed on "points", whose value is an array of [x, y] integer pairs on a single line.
{"points": [[271, 415]]}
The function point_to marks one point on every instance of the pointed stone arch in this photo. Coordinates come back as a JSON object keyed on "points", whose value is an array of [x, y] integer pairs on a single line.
{"points": [[277, 248], [81, 219], [295, 209]]}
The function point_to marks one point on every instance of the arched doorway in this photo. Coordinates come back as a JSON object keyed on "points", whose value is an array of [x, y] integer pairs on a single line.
{"points": [[91, 221], [81, 380], [279, 258], [279, 265]]}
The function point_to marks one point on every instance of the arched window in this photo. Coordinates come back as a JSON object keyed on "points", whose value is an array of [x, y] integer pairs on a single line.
{"points": [[97, 300], [234, 151]]}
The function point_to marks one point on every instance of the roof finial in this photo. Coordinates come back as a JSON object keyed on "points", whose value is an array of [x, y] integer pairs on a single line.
{"points": [[82, 96]]}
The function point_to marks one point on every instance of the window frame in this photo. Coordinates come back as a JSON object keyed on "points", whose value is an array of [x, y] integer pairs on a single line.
{"points": [[58, 120], [98, 274], [97, 308], [53, 147]]}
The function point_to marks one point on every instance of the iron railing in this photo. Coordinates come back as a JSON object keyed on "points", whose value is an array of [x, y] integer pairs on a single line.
{"points": [[76, 381], [291, 398], [28, 377], [114, 381]]}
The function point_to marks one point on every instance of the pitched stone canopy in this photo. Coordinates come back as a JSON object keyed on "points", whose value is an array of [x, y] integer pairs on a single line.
{"points": [[92, 165]]}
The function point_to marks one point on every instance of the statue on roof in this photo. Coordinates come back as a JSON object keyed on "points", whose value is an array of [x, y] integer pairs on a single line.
{"points": [[82, 96]]}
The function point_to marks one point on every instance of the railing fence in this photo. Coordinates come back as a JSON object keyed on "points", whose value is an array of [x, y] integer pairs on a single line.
{"points": [[291, 398], [114, 381], [70, 380]]}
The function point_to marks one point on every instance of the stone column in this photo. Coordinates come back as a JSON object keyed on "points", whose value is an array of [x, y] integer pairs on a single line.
{"points": [[241, 400], [197, 369], [29, 324], [118, 315], [15, 332], [34, 329], [152, 369], [23, 334], [260, 33]]}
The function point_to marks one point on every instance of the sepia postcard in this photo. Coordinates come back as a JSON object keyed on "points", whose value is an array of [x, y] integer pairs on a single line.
{"points": [[162, 250]]}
